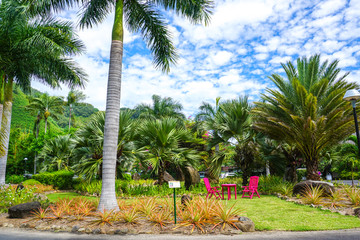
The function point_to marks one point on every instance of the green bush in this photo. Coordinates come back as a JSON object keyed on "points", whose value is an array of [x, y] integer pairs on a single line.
{"points": [[31, 182], [10, 196], [139, 188], [15, 179], [60, 179]]}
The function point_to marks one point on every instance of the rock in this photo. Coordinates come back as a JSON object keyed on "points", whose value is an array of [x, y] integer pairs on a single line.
{"points": [[24, 225], [168, 177], [185, 199], [10, 225], [192, 177], [23, 210], [75, 229], [87, 230], [135, 176], [300, 187], [102, 231], [245, 224], [81, 230], [19, 187], [96, 231], [357, 212]]}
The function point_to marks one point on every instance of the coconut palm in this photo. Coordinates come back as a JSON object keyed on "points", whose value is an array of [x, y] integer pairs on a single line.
{"points": [[32, 48], [139, 16], [161, 138], [307, 109], [47, 106], [89, 144], [74, 97], [161, 107]]}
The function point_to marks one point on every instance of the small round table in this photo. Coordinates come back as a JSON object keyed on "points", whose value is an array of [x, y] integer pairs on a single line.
{"points": [[228, 186]]}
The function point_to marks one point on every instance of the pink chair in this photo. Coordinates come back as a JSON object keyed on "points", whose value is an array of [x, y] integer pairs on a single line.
{"points": [[252, 188], [211, 190]]}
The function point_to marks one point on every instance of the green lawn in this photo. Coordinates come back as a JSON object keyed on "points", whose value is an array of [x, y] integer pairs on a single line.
{"points": [[272, 213], [56, 196]]}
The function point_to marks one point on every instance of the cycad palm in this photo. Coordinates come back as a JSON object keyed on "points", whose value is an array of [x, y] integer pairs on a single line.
{"points": [[139, 16], [47, 106], [307, 110], [32, 49]]}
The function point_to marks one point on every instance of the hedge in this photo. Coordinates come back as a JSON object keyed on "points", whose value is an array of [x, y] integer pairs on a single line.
{"points": [[60, 179]]}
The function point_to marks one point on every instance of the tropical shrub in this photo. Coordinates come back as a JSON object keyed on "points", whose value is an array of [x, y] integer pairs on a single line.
{"points": [[59, 179], [11, 196], [15, 179]]}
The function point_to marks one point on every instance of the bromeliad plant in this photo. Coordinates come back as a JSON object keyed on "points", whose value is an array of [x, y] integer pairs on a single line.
{"points": [[335, 200], [352, 194], [312, 195], [225, 215]]}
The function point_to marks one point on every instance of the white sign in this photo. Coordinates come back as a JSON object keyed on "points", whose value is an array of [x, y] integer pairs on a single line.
{"points": [[174, 184]]}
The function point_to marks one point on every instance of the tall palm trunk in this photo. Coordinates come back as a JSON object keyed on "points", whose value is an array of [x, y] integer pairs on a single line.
{"points": [[5, 129], [46, 121], [108, 196]]}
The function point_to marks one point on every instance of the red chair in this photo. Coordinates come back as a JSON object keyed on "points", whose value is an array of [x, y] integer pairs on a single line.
{"points": [[252, 188], [211, 190]]}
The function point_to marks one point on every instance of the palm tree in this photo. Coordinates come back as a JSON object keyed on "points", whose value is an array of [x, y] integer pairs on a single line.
{"points": [[161, 107], [307, 109], [89, 144], [139, 16], [230, 123], [161, 139], [57, 153], [74, 97], [32, 48], [47, 106]]}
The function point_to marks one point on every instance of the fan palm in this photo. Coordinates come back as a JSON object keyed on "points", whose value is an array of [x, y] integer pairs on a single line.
{"points": [[89, 144], [57, 153], [32, 48], [139, 16], [307, 109], [161, 138], [47, 106], [230, 123]]}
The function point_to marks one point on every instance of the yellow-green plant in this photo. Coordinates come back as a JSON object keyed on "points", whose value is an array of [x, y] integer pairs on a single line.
{"points": [[160, 218], [147, 206], [352, 194], [104, 217], [312, 195], [225, 215], [192, 216], [130, 216], [40, 214], [335, 199]]}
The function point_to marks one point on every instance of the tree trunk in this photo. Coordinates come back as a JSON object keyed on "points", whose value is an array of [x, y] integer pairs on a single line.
{"points": [[111, 131], [161, 173], [312, 170], [69, 117], [45, 124], [5, 130]]}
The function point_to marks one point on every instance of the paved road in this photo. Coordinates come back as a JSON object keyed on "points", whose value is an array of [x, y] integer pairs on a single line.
{"points": [[15, 234], [347, 182]]}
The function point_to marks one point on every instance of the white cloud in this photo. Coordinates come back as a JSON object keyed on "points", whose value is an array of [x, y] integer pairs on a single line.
{"points": [[325, 8]]}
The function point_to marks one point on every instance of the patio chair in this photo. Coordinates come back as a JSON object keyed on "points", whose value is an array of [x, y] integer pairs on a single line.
{"points": [[211, 190], [252, 188]]}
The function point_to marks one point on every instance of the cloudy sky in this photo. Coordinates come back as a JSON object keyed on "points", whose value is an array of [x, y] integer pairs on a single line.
{"points": [[233, 56]]}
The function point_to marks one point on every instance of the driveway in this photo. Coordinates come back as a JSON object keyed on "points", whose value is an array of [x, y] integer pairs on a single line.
{"points": [[351, 234]]}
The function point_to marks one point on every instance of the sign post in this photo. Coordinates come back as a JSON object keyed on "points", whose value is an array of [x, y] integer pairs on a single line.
{"points": [[174, 185]]}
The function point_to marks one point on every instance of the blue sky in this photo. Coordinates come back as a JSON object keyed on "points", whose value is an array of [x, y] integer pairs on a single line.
{"points": [[245, 43]]}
